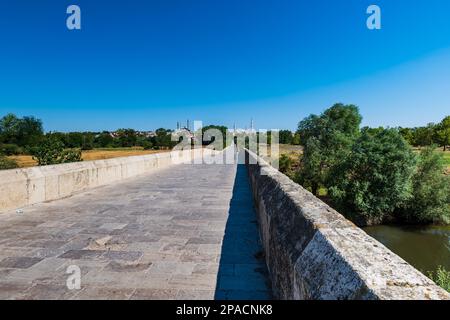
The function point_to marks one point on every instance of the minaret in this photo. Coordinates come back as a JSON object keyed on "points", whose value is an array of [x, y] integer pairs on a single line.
{"points": [[251, 124], [187, 124]]}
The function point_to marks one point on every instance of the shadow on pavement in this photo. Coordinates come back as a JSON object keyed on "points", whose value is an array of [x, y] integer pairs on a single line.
{"points": [[242, 271]]}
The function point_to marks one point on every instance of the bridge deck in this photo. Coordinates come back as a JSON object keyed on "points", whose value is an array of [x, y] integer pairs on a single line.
{"points": [[186, 232]]}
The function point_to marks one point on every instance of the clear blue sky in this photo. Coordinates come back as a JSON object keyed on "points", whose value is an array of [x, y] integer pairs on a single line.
{"points": [[147, 64]]}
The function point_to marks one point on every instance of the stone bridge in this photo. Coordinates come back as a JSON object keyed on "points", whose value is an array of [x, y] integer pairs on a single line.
{"points": [[141, 228]]}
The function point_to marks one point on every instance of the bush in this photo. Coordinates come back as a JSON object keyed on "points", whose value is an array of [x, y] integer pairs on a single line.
{"points": [[6, 163], [285, 164], [430, 202], [147, 145], [441, 277], [52, 151], [375, 178], [310, 174], [10, 149]]}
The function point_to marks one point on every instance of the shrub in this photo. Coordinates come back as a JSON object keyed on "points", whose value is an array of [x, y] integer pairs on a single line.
{"points": [[6, 163], [375, 178], [52, 151], [430, 200], [147, 145], [285, 164], [10, 149]]}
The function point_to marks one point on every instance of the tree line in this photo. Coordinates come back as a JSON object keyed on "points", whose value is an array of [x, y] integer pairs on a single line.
{"points": [[26, 136], [431, 134], [373, 175]]}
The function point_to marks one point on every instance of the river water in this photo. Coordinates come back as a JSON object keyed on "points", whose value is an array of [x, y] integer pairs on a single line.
{"points": [[423, 247]]}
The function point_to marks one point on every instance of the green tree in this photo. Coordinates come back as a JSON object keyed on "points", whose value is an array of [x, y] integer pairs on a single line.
{"points": [[52, 151], [311, 173], [30, 131], [424, 136], [126, 137], [163, 139], [27, 131], [88, 141], [430, 201], [104, 140], [285, 164], [327, 139], [372, 131], [223, 130], [375, 177], [10, 149], [286, 136], [144, 142], [73, 139], [443, 132], [296, 139], [407, 134], [9, 128]]}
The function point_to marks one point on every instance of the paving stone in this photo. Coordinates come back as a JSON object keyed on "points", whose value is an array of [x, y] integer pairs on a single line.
{"points": [[170, 234], [154, 294], [9, 291], [82, 254], [127, 267], [123, 255], [103, 293], [113, 226], [19, 262]]}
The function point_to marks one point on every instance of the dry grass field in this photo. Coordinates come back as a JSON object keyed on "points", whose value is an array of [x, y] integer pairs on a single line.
{"points": [[447, 160], [293, 152], [25, 161]]}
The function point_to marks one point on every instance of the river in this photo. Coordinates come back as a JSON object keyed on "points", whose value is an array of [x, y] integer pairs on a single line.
{"points": [[423, 247]]}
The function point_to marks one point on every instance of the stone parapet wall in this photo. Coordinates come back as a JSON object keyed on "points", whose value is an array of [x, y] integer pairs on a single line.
{"points": [[23, 187], [313, 252]]}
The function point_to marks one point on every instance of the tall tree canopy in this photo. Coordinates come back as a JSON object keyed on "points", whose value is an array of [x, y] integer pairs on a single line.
{"points": [[326, 139]]}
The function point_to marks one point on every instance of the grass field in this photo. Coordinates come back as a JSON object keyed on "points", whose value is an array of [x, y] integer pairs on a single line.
{"points": [[97, 154], [447, 158], [291, 150]]}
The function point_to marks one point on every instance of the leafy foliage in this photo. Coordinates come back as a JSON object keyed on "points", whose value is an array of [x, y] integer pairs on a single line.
{"points": [[285, 164], [443, 132], [10, 149], [430, 201], [296, 139], [27, 131], [286, 137], [375, 178], [52, 151], [327, 139], [163, 139]]}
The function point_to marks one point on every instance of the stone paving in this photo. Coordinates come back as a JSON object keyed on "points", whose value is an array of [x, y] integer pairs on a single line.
{"points": [[185, 232]]}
